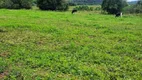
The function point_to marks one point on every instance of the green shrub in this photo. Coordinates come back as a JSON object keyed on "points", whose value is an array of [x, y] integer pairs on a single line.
{"points": [[34, 2], [128, 9], [52, 5], [134, 8], [6, 3], [84, 8], [138, 7], [98, 8], [72, 4], [26, 4]]}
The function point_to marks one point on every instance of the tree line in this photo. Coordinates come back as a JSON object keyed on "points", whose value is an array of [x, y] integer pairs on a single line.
{"points": [[110, 6], [115, 6], [42, 4], [85, 2], [16, 4]]}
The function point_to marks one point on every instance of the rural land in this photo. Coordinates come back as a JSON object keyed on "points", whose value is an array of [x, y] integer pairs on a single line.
{"points": [[41, 43]]}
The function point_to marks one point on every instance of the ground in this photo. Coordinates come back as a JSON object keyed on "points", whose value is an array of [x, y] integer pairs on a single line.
{"points": [[36, 45]]}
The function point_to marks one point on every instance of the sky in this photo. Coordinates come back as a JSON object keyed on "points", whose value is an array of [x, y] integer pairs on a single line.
{"points": [[131, 0]]}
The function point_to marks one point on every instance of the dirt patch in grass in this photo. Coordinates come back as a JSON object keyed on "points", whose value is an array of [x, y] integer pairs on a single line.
{"points": [[5, 54], [2, 75]]}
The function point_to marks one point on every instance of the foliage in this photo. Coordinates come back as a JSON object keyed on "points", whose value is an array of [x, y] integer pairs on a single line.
{"points": [[16, 4], [85, 2], [98, 8], [113, 6], [84, 8], [52, 4], [72, 4], [128, 9], [35, 1], [137, 8]]}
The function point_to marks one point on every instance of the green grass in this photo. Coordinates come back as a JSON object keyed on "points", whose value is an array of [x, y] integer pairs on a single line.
{"points": [[47, 45]]}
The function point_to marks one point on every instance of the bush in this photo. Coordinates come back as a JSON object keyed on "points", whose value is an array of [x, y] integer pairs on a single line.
{"points": [[16, 4], [138, 7], [52, 5], [34, 2], [27, 4], [128, 9], [72, 4], [134, 8], [98, 8], [6, 3], [84, 8]]}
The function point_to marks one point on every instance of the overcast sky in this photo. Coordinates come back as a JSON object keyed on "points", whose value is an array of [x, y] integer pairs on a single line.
{"points": [[131, 0]]}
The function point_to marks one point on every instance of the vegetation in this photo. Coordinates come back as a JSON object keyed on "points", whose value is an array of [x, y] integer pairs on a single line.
{"points": [[84, 8], [85, 2], [52, 4], [16, 4], [137, 8], [36, 45], [113, 6]]}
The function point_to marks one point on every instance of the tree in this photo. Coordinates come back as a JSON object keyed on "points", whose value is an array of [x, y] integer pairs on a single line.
{"points": [[26, 4], [5, 3], [85, 2], [113, 6], [138, 7], [139, 2], [16, 4], [52, 4]]}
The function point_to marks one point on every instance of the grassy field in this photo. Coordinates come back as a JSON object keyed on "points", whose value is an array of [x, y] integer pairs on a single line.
{"points": [[48, 45]]}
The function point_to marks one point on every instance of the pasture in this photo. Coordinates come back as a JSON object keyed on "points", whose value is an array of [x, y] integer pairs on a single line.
{"points": [[48, 45]]}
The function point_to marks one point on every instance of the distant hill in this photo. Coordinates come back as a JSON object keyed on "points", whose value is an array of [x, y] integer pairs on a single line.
{"points": [[80, 2]]}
